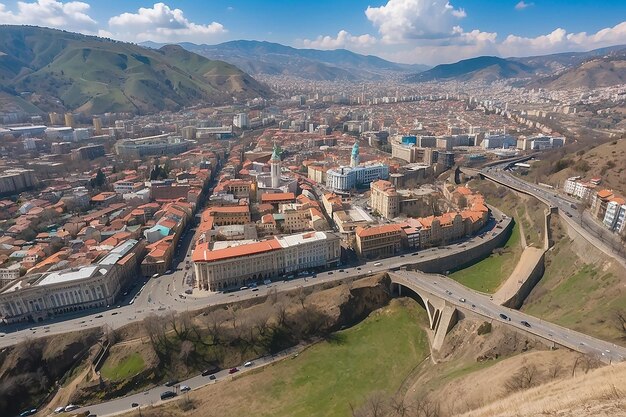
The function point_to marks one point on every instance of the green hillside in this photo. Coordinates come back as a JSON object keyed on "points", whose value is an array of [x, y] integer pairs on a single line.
{"points": [[96, 75]]}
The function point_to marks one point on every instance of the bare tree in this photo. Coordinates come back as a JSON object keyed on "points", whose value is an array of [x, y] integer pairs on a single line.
{"points": [[281, 314], [214, 322], [619, 318], [523, 379], [375, 405], [555, 368], [272, 296], [301, 295], [399, 406], [155, 328], [187, 348]]}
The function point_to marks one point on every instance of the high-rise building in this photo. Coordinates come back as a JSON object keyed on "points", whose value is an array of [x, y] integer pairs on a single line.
{"points": [[240, 120]]}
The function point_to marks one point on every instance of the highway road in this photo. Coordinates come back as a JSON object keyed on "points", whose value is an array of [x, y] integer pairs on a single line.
{"points": [[568, 208], [481, 304], [162, 295], [152, 396]]}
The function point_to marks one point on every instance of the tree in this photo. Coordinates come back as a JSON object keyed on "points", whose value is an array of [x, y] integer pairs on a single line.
{"points": [[187, 348], [99, 180], [523, 379]]}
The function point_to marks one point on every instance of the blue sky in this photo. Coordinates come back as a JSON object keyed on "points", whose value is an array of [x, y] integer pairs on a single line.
{"points": [[412, 31]]}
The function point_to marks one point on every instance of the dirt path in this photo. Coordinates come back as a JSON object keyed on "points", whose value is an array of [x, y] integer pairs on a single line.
{"points": [[527, 262], [63, 395]]}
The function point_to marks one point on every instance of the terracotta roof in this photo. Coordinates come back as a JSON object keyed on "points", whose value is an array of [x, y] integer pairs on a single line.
{"points": [[377, 230], [203, 254], [605, 193], [277, 197]]}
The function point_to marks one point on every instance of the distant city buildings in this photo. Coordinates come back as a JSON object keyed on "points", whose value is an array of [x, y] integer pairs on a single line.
{"points": [[164, 144]]}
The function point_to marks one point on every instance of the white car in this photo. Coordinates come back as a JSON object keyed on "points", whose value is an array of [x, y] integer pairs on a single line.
{"points": [[248, 364], [184, 388], [71, 407], [59, 410]]}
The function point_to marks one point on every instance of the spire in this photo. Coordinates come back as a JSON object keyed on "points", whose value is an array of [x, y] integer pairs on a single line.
{"points": [[276, 153], [354, 158]]}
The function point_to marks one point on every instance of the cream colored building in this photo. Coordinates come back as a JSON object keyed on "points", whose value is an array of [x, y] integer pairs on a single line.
{"points": [[379, 241], [235, 266], [384, 199]]}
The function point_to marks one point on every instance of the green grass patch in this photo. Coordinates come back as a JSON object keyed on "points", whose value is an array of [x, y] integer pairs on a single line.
{"points": [[375, 355], [128, 366], [488, 274]]}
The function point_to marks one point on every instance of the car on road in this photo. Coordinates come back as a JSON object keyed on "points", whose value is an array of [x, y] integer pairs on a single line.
{"points": [[243, 288], [358, 268], [28, 412], [168, 394], [248, 364], [504, 317], [71, 407], [233, 370], [59, 410], [415, 253], [342, 270], [525, 323], [369, 272], [378, 264], [99, 316], [134, 405], [208, 372], [185, 388], [171, 383], [330, 273], [462, 300], [114, 313]]}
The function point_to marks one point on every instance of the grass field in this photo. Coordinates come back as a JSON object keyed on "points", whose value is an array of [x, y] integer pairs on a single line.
{"points": [[488, 274], [375, 355], [128, 366]]}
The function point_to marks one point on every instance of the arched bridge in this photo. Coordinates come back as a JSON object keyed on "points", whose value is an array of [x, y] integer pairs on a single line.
{"points": [[446, 301]]}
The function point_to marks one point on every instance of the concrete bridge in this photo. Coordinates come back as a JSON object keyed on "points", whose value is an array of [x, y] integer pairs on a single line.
{"points": [[447, 301]]}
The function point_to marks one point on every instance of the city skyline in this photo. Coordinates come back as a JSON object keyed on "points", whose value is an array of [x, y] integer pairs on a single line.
{"points": [[406, 31]]}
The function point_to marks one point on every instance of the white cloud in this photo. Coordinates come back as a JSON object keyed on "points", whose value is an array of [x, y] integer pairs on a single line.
{"points": [[561, 41], [401, 20], [161, 24], [72, 15], [523, 5], [342, 40]]}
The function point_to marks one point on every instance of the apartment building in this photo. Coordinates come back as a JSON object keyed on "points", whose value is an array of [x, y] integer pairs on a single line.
{"points": [[234, 266], [378, 241]]}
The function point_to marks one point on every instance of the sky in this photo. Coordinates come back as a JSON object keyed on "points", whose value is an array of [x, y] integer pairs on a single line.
{"points": [[408, 31]]}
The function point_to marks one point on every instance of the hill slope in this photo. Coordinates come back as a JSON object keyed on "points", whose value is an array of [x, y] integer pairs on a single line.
{"points": [[96, 75], [257, 57], [598, 72], [488, 68]]}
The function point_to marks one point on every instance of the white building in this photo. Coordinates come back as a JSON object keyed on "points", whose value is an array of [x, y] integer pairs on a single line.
{"points": [[615, 216], [40, 296], [347, 178], [240, 120]]}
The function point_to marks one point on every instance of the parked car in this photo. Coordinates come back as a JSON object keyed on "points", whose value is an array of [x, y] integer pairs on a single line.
{"points": [[208, 372], [28, 412], [378, 264], [525, 323], [71, 407], [134, 405], [171, 383], [504, 317], [248, 364], [233, 370], [185, 388], [168, 394]]}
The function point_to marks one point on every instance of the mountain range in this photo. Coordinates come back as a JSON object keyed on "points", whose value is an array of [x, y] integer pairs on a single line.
{"points": [[69, 71], [597, 68], [255, 57]]}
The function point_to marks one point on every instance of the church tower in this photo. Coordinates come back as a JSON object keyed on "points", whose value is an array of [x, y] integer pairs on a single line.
{"points": [[354, 158], [275, 167]]}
